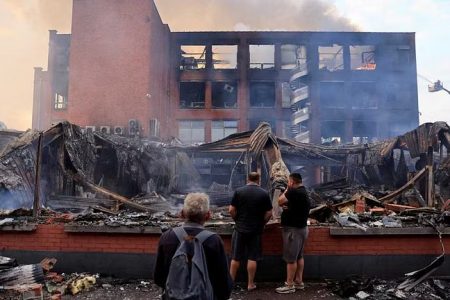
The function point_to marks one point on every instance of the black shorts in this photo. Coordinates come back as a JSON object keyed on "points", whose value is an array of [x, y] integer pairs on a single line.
{"points": [[246, 246]]}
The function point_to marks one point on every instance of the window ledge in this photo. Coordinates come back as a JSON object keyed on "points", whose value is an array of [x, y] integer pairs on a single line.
{"points": [[19, 227], [339, 231], [108, 229], [69, 228]]}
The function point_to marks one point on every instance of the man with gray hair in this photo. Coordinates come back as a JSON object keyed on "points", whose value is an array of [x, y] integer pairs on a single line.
{"points": [[196, 212]]}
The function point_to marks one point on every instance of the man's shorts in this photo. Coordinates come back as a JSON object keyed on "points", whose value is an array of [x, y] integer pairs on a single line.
{"points": [[293, 243], [246, 246]]}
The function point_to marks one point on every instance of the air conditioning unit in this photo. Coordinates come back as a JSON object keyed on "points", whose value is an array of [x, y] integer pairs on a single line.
{"points": [[119, 130], [154, 127], [105, 129], [89, 129], [133, 127]]}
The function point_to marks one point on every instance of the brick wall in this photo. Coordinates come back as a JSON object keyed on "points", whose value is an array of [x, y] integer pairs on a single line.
{"points": [[115, 63], [53, 238]]}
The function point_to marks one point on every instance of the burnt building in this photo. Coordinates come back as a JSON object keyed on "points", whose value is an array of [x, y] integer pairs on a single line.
{"points": [[123, 71]]}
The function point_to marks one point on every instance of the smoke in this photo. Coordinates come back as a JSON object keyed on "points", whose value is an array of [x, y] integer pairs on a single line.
{"points": [[24, 26], [42, 14], [300, 15]]}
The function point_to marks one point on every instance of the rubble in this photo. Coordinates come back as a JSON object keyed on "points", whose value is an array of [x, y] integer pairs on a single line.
{"points": [[370, 288], [108, 180], [27, 281]]}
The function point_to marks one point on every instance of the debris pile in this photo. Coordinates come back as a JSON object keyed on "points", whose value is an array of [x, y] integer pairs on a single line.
{"points": [[370, 289], [31, 281], [68, 175]]}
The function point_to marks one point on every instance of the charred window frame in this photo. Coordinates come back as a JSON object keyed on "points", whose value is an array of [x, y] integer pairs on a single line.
{"points": [[192, 57], [192, 94], [332, 132], [332, 94], [262, 94], [224, 94], [224, 57], [364, 95], [222, 129], [262, 57], [362, 58], [364, 131], [191, 131], [292, 56], [59, 102], [331, 58]]}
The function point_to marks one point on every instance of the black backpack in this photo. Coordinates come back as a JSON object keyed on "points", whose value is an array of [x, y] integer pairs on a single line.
{"points": [[188, 277]]}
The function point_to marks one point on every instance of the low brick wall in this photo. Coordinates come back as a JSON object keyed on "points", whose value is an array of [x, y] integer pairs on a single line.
{"points": [[320, 242], [323, 248]]}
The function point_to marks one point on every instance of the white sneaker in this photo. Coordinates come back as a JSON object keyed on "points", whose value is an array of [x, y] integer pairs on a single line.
{"points": [[285, 289], [299, 286]]}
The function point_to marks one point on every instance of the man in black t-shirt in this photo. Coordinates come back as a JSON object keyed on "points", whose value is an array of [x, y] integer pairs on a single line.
{"points": [[296, 204], [251, 209]]}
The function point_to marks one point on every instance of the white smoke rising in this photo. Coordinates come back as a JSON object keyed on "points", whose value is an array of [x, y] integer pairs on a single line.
{"points": [[301, 15]]}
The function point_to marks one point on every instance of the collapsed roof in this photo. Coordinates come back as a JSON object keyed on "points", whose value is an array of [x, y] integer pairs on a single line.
{"points": [[86, 164]]}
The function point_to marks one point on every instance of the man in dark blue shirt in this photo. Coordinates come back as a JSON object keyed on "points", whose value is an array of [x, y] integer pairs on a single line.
{"points": [[251, 209], [296, 204]]}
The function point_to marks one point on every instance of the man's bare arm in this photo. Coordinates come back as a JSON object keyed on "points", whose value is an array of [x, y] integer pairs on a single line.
{"points": [[232, 211], [282, 200]]}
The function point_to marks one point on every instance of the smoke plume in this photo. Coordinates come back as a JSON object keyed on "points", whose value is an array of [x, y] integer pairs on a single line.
{"points": [[43, 14], [210, 15]]}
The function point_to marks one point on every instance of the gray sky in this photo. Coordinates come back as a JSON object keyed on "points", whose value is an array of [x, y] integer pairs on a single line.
{"points": [[24, 26]]}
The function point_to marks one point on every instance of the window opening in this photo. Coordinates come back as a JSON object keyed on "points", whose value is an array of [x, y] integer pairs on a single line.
{"points": [[262, 57]]}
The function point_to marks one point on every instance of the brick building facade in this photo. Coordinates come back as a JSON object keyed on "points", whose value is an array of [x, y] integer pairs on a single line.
{"points": [[123, 71]]}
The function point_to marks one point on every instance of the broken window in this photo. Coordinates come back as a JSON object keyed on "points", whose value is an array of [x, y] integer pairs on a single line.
{"points": [[332, 94], [262, 57], [364, 131], [60, 102], [224, 56], [292, 56], [360, 140], [364, 95], [191, 132], [262, 94], [154, 127], [362, 58], [222, 129], [331, 58], [192, 94], [224, 94], [286, 95], [192, 57], [332, 132]]}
